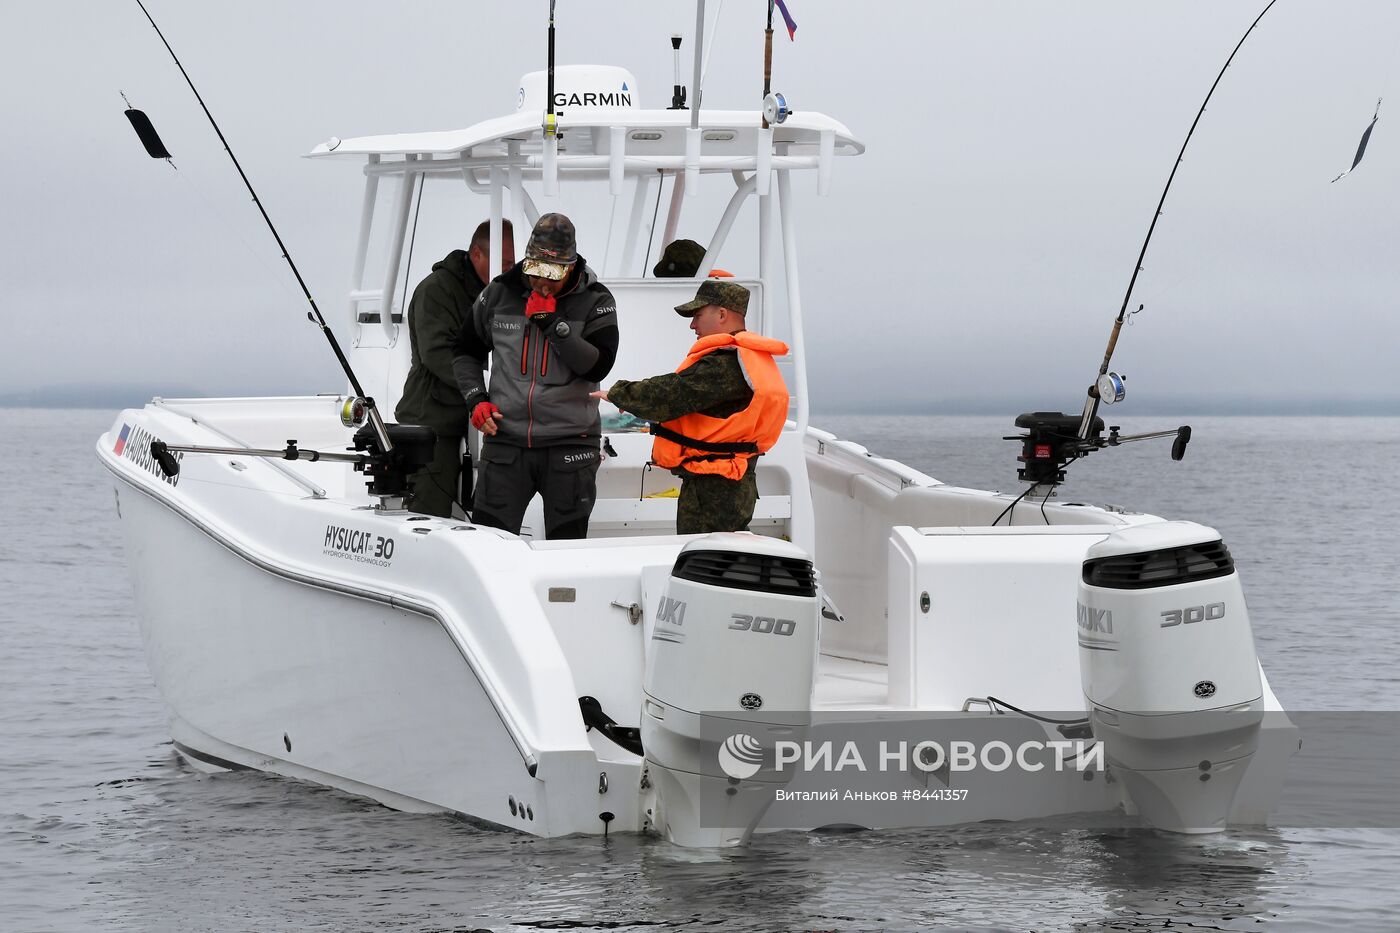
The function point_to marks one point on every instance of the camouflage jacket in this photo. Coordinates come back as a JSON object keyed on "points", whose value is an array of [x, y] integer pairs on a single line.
{"points": [[714, 386]]}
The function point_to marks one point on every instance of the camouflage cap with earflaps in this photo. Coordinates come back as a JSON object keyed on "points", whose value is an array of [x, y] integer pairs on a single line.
{"points": [[552, 249]]}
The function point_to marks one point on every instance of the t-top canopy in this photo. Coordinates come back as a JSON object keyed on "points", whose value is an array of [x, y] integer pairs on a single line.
{"points": [[592, 100]]}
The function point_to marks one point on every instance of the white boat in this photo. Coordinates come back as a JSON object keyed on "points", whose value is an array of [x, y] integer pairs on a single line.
{"points": [[638, 680]]}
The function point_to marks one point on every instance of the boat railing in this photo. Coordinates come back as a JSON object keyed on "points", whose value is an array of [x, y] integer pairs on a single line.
{"points": [[201, 419]]}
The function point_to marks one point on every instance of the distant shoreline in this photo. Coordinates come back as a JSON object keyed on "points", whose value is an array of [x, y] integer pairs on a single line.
{"points": [[1184, 407], [115, 398]]}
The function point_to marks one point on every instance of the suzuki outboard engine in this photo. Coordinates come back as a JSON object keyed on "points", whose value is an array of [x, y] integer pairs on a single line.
{"points": [[731, 664], [1167, 662]]}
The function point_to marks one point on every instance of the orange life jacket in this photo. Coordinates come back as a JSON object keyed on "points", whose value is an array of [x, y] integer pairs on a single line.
{"points": [[700, 443]]}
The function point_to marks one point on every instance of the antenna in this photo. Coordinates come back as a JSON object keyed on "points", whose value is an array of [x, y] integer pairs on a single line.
{"points": [[551, 122], [677, 89]]}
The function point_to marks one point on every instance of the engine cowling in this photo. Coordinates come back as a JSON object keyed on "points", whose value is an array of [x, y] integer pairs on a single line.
{"points": [[1168, 667], [730, 671]]}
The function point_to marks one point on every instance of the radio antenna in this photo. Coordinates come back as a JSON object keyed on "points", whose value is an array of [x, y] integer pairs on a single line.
{"points": [[551, 124]]}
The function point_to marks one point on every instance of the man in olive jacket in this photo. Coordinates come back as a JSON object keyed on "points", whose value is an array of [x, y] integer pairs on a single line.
{"points": [[439, 310]]}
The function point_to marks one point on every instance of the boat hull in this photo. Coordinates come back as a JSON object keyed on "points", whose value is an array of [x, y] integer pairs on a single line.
{"points": [[434, 666]]}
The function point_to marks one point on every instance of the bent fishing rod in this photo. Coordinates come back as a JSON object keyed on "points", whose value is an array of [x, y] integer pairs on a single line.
{"points": [[314, 315], [1114, 384]]}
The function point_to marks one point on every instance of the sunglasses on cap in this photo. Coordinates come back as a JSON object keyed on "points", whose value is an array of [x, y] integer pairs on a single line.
{"points": [[554, 271]]}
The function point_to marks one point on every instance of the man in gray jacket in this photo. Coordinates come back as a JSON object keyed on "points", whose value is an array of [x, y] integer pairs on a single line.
{"points": [[549, 329], [439, 310]]}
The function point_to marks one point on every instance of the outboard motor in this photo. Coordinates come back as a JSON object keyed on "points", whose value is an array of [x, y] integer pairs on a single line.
{"points": [[731, 665], [1167, 662]]}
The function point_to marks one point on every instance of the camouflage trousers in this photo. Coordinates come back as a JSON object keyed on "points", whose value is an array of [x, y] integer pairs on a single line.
{"points": [[715, 503]]}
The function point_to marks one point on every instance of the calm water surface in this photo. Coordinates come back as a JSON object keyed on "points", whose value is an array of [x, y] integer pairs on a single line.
{"points": [[101, 827]]}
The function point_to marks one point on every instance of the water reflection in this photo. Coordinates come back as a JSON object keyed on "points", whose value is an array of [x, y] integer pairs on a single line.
{"points": [[281, 854], [1155, 880]]}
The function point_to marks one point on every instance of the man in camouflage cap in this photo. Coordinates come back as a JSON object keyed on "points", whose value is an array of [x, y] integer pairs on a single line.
{"points": [[723, 407], [549, 329], [681, 260]]}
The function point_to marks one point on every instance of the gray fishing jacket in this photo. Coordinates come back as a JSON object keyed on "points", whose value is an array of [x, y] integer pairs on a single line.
{"points": [[540, 379]]}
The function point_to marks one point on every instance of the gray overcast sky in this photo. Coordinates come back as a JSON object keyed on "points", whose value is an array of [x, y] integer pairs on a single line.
{"points": [[978, 250]]}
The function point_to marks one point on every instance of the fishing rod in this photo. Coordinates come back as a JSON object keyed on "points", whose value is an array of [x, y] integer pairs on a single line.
{"points": [[1053, 439], [1107, 383], [314, 315], [768, 59], [775, 106]]}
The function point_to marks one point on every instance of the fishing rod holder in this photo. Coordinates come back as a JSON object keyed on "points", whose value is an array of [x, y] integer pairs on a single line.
{"points": [[1052, 441], [386, 472]]}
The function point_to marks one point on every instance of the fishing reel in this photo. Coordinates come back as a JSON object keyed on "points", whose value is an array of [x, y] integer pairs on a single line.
{"points": [[1111, 388], [775, 108], [354, 412]]}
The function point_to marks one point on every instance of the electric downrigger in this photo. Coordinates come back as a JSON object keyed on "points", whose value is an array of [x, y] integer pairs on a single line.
{"points": [[386, 470]]}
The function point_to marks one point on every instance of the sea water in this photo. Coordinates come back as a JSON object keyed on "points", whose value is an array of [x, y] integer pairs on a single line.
{"points": [[102, 827]]}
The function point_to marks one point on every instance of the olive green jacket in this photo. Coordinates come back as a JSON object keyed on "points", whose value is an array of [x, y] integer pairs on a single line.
{"points": [[440, 308]]}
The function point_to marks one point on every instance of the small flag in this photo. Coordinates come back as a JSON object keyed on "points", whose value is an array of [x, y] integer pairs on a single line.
{"points": [[787, 18], [1361, 149], [121, 440]]}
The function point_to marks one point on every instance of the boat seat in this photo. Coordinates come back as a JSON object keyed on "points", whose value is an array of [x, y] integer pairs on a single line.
{"points": [[658, 515], [631, 494]]}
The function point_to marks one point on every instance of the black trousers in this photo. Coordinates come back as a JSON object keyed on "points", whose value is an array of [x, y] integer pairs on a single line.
{"points": [[435, 486], [565, 476]]}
